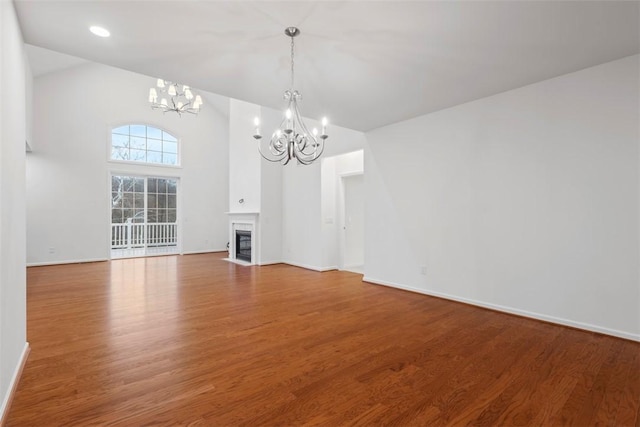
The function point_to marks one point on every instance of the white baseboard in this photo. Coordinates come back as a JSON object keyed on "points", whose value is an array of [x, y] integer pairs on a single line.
{"points": [[511, 310], [204, 251], [311, 267], [73, 261], [13, 385], [271, 262]]}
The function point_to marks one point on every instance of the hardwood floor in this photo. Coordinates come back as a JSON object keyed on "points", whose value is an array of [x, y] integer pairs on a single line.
{"points": [[195, 340]]}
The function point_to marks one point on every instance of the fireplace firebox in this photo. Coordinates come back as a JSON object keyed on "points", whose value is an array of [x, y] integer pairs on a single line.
{"points": [[243, 245]]}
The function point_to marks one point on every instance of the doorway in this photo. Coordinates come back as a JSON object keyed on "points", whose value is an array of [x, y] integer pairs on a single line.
{"points": [[353, 223], [144, 216]]}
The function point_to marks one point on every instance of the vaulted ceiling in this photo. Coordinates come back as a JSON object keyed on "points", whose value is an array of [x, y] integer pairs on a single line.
{"points": [[365, 64]]}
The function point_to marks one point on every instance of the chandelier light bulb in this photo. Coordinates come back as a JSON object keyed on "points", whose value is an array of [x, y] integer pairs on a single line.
{"points": [[288, 114], [153, 95], [256, 122], [180, 105], [315, 131], [164, 102], [161, 83], [188, 94], [324, 127], [172, 90]]}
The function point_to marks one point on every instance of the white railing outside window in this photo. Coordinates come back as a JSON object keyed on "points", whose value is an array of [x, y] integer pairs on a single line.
{"points": [[130, 235]]}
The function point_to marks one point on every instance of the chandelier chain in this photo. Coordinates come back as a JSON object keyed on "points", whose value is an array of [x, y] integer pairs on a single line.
{"points": [[292, 72]]}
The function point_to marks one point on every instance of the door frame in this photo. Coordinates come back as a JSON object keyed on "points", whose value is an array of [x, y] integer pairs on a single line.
{"points": [[342, 241], [146, 175]]}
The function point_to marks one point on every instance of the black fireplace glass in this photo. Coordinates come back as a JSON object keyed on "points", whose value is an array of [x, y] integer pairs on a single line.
{"points": [[243, 245]]}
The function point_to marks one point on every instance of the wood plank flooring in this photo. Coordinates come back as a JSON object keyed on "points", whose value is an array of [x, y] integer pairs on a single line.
{"points": [[195, 340]]}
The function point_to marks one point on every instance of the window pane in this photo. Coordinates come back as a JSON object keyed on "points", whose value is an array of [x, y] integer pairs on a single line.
{"points": [[168, 137], [171, 201], [154, 157], [119, 153], [116, 200], [170, 147], [138, 142], [116, 216], [127, 214], [119, 140], [162, 215], [139, 185], [138, 130], [169, 159], [138, 216], [127, 200], [137, 155], [152, 201], [152, 185], [171, 215], [127, 183], [154, 133], [124, 130], [162, 185], [162, 201], [152, 215], [154, 145], [116, 183], [139, 200]]}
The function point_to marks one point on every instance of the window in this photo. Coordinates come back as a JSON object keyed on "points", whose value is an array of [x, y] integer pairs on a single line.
{"points": [[144, 218], [144, 144]]}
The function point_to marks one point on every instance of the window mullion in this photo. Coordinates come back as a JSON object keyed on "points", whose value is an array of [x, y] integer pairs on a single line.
{"points": [[144, 216]]}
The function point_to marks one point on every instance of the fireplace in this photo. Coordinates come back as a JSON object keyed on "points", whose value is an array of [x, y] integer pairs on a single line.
{"points": [[243, 245], [243, 235]]}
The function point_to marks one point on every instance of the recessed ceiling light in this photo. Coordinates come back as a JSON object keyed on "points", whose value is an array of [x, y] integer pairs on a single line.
{"points": [[99, 31]]}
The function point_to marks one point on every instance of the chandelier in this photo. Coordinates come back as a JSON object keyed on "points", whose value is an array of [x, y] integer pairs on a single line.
{"points": [[292, 140], [174, 97]]}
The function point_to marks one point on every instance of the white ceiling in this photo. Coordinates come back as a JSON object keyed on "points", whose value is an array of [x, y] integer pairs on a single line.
{"points": [[45, 61], [364, 64]]}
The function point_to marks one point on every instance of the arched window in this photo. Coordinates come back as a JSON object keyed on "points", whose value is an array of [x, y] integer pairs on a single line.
{"points": [[144, 144]]}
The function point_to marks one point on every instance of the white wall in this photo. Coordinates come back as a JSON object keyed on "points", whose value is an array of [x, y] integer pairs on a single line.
{"points": [[270, 198], [68, 170], [14, 74], [526, 201], [244, 160], [256, 181], [305, 233]]}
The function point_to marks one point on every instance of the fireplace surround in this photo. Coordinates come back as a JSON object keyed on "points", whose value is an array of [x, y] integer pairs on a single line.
{"points": [[243, 237]]}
